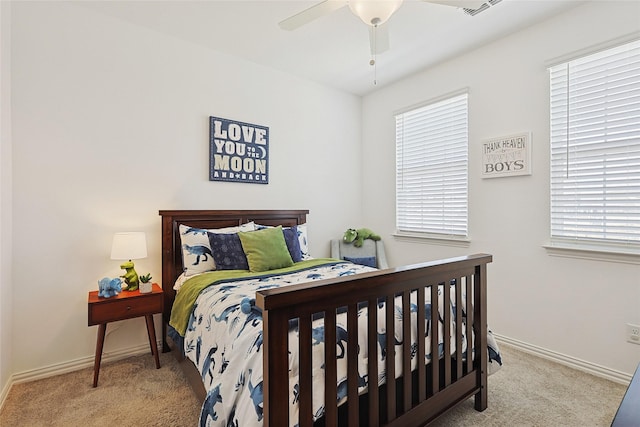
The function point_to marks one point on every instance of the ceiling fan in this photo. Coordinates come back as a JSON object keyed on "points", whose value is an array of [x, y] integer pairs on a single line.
{"points": [[374, 13]]}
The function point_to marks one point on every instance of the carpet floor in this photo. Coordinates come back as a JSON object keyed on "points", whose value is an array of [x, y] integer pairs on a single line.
{"points": [[534, 392], [527, 391]]}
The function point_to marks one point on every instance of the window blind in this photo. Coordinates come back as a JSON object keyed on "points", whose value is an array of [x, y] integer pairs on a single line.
{"points": [[595, 147], [431, 168]]}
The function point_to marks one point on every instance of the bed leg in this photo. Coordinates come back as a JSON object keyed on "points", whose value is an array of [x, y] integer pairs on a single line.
{"points": [[480, 330], [481, 396], [165, 344]]}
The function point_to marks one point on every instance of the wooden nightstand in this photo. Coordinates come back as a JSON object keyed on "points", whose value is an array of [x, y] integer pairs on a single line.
{"points": [[125, 305]]}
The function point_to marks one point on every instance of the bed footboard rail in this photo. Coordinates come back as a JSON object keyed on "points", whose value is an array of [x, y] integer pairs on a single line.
{"points": [[456, 367]]}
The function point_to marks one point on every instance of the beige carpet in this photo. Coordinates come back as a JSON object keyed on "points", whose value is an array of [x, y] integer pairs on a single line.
{"points": [[527, 391], [130, 392], [531, 391]]}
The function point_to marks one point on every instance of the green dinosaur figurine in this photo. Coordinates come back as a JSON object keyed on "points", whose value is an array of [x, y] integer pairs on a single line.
{"points": [[130, 276], [358, 236]]}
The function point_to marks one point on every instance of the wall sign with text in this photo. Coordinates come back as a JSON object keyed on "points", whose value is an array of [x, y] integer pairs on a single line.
{"points": [[507, 156], [238, 152]]}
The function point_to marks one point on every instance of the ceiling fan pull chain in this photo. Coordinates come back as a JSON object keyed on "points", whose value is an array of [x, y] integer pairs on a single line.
{"points": [[373, 59]]}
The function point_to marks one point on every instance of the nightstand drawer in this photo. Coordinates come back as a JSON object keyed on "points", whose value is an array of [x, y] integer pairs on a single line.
{"points": [[119, 309]]}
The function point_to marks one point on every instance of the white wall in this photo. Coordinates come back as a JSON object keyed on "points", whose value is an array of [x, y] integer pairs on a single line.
{"points": [[110, 124], [5, 198], [572, 307]]}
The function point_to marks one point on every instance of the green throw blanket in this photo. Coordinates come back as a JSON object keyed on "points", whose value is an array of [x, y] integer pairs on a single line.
{"points": [[183, 303]]}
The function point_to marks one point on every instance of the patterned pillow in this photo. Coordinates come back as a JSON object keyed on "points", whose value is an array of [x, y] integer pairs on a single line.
{"points": [[304, 243], [196, 248], [227, 251]]}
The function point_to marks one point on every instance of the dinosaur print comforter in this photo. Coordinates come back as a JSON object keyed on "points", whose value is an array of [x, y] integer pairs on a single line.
{"points": [[223, 338]]}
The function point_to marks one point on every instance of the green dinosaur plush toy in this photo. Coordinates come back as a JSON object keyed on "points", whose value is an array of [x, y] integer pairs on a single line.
{"points": [[358, 236], [130, 276]]}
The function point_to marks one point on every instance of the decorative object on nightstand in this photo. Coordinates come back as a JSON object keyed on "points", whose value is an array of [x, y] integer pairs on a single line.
{"points": [[108, 287], [126, 305], [129, 245], [145, 283]]}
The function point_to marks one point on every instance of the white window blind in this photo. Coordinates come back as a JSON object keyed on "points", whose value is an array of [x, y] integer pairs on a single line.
{"points": [[595, 148], [431, 168]]}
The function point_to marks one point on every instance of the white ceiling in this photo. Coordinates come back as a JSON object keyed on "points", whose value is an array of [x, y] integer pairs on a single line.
{"points": [[334, 49]]}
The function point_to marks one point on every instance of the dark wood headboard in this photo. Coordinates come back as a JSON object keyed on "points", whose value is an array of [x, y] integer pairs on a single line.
{"points": [[208, 219]]}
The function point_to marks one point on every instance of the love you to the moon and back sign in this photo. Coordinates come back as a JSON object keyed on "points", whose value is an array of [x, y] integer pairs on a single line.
{"points": [[238, 151]]}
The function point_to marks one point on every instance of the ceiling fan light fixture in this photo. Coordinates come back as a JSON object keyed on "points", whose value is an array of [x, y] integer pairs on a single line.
{"points": [[374, 12]]}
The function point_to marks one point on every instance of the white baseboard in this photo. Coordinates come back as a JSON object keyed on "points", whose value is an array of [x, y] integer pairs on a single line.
{"points": [[72, 365], [5, 392], [563, 359]]}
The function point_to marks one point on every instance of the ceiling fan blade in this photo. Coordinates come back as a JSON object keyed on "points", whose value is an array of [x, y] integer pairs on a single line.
{"points": [[314, 12], [467, 4], [379, 38]]}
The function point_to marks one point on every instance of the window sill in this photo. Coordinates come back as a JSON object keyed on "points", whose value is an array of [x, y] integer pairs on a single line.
{"points": [[621, 254], [433, 239]]}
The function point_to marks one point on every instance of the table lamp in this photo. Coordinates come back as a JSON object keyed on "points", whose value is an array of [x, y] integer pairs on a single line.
{"points": [[129, 246]]}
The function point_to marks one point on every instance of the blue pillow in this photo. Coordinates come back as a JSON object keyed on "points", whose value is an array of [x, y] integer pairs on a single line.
{"points": [[227, 252], [369, 261], [293, 244]]}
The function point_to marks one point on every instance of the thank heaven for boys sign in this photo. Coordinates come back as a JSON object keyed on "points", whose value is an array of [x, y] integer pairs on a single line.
{"points": [[238, 152], [507, 156]]}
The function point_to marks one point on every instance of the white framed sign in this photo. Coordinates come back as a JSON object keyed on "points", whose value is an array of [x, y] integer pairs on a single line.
{"points": [[506, 156]]}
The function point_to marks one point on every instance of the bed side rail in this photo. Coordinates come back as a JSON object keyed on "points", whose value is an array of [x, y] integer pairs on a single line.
{"points": [[443, 383]]}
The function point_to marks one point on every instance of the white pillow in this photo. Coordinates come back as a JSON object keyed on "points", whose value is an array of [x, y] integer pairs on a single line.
{"points": [[196, 249]]}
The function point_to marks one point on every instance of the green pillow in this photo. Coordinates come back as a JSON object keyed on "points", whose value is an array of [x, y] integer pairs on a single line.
{"points": [[265, 249]]}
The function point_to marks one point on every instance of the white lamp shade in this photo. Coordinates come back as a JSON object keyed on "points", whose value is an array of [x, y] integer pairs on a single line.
{"points": [[374, 12], [129, 245]]}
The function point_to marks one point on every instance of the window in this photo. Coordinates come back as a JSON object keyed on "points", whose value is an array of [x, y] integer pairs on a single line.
{"points": [[431, 169], [595, 151]]}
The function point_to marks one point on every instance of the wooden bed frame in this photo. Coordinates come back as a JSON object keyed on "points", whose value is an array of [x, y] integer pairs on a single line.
{"points": [[412, 400]]}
